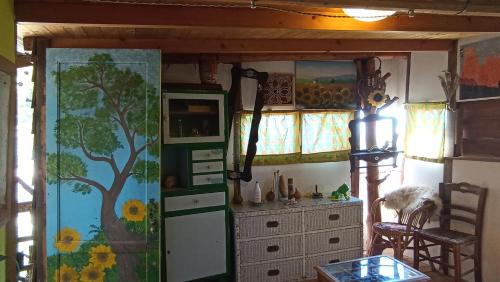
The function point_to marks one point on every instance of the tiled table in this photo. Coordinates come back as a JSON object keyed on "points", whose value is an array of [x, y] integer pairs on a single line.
{"points": [[373, 269]]}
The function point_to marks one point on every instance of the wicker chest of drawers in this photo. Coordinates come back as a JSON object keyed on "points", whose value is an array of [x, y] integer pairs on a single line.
{"points": [[277, 242]]}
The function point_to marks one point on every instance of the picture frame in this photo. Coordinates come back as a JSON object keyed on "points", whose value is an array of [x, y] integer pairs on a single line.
{"points": [[480, 70]]}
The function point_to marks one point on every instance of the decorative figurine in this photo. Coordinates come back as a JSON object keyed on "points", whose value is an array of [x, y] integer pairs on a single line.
{"points": [[317, 195], [169, 182], [297, 195], [340, 193], [257, 195]]}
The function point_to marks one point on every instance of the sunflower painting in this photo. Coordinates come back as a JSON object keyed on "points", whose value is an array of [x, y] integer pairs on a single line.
{"points": [[67, 240], [133, 210], [66, 274], [101, 256], [92, 273], [325, 85]]}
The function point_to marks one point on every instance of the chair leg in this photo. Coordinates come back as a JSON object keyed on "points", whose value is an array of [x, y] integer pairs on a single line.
{"points": [[427, 253], [416, 252], [445, 257], [478, 277], [398, 248], [457, 261], [371, 249]]}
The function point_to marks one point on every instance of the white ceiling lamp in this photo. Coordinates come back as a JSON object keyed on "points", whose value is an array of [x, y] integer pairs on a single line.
{"points": [[367, 15]]}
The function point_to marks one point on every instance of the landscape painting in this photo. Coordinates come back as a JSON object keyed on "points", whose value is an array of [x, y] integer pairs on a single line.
{"points": [[325, 85], [480, 70]]}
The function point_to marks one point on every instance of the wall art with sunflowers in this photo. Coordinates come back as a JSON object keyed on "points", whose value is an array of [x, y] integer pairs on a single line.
{"points": [[103, 165], [325, 85]]}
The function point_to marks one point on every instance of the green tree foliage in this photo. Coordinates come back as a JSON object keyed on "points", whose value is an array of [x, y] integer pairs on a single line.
{"points": [[99, 102]]}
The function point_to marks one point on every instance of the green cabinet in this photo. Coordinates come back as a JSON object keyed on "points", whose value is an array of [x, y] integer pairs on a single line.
{"points": [[195, 196]]}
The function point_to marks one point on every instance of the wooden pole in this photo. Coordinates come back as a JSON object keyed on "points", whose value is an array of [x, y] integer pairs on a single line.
{"points": [[40, 46]]}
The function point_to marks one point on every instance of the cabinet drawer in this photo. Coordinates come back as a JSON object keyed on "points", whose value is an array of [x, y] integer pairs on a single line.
{"points": [[290, 270], [332, 218], [329, 258], [269, 249], [207, 179], [208, 167], [268, 225], [333, 240], [194, 201], [212, 154]]}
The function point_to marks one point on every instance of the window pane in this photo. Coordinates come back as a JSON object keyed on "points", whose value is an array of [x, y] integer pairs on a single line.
{"points": [[425, 131], [278, 133], [325, 131]]}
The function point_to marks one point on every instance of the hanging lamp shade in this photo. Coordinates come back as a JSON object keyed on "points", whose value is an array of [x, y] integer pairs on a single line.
{"points": [[367, 15]]}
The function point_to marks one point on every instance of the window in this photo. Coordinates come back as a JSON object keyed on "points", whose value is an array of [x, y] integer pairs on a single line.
{"points": [[425, 131], [299, 136]]}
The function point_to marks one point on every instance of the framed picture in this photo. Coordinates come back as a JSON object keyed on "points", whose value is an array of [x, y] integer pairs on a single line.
{"points": [[325, 85], [278, 91], [480, 70]]}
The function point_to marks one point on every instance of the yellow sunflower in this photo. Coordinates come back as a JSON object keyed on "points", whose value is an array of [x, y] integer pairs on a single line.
{"points": [[91, 273], [66, 274], [67, 240], [102, 256], [133, 210], [376, 99]]}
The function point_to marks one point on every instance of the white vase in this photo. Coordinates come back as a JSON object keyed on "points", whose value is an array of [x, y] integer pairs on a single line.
{"points": [[257, 194]]}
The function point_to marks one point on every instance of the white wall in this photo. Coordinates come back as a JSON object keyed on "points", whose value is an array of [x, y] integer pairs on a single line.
{"points": [[485, 174]]}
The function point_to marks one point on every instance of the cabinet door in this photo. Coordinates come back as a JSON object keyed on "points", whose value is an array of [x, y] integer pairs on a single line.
{"points": [[195, 246], [103, 164]]}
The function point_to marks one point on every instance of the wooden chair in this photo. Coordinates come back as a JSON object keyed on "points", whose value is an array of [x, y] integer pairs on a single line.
{"points": [[399, 235], [453, 240]]}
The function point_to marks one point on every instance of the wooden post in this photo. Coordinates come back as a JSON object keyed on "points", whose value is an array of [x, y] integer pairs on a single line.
{"points": [[372, 175], [39, 50]]}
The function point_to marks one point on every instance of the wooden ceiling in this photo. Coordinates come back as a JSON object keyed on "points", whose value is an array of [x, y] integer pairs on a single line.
{"points": [[131, 23]]}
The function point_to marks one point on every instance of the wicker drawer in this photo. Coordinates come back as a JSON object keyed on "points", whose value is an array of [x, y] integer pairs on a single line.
{"points": [[208, 167], [290, 270], [269, 249], [213, 154], [333, 217], [313, 261], [333, 240], [268, 225]]}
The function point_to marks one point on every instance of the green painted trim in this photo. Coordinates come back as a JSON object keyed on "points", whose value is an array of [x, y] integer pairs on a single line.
{"points": [[195, 211], [184, 192]]}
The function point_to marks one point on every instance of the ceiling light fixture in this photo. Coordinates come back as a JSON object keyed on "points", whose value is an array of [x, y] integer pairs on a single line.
{"points": [[367, 15]]}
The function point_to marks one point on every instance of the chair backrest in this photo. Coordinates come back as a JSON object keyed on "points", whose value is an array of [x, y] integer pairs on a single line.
{"points": [[458, 212], [419, 216]]}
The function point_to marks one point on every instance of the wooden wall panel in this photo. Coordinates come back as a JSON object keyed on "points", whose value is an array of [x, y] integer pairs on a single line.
{"points": [[479, 124]]}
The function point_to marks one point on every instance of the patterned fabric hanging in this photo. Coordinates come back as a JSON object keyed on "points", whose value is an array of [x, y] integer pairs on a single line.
{"points": [[279, 89]]}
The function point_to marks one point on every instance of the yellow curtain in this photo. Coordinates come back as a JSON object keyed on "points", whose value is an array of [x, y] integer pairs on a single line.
{"points": [[279, 137], [292, 136], [425, 131], [325, 135]]}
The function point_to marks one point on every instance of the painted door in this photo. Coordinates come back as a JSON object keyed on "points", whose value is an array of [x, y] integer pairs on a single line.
{"points": [[102, 164]]}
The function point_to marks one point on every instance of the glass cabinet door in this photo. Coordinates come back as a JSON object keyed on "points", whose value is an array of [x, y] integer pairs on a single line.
{"points": [[193, 118]]}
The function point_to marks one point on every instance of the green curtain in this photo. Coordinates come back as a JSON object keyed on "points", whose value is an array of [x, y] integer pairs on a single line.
{"points": [[425, 131], [287, 137]]}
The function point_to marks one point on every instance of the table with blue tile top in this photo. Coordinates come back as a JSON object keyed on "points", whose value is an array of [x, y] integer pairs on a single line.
{"points": [[372, 269]]}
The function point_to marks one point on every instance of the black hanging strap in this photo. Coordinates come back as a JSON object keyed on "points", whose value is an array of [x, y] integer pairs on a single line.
{"points": [[237, 73]]}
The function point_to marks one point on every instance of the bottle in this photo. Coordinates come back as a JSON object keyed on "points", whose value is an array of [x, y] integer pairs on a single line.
{"points": [[257, 194]]}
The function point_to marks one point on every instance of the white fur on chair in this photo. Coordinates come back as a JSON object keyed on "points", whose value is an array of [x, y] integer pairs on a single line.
{"points": [[410, 196]]}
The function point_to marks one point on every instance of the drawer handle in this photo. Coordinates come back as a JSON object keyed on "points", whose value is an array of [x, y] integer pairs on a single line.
{"points": [[208, 167], [271, 249], [273, 272], [335, 240], [334, 261], [334, 217], [196, 201], [272, 224]]}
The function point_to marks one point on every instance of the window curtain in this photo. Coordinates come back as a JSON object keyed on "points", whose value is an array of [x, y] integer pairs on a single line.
{"points": [[295, 137], [279, 137], [325, 136], [425, 131]]}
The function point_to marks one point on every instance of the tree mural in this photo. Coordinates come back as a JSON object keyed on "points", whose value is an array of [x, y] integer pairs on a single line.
{"points": [[102, 113]]}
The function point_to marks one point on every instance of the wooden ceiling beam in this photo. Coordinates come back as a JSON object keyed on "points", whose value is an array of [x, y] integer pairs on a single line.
{"points": [[246, 46], [446, 6], [237, 58], [151, 16]]}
